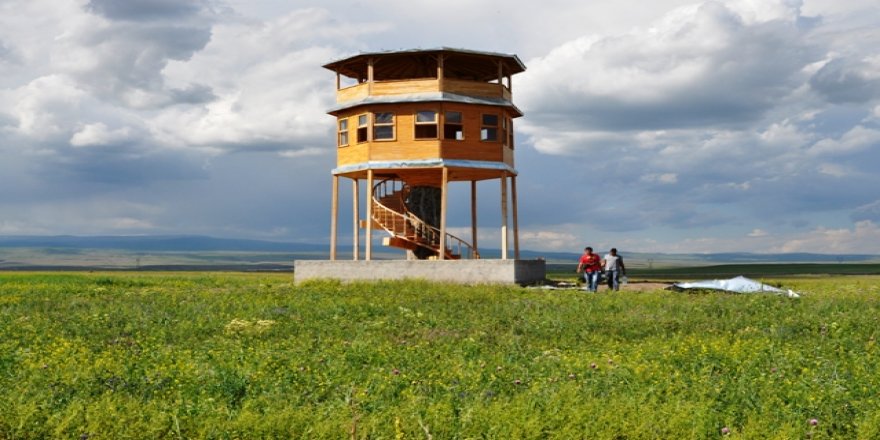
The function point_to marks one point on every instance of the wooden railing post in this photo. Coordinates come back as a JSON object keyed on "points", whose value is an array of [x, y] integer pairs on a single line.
{"points": [[334, 216], [504, 216], [474, 218], [355, 209], [515, 220], [368, 245], [443, 198]]}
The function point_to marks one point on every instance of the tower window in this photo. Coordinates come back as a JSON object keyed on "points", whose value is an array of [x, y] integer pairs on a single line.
{"points": [[383, 126], [510, 132], [363, 125], [426, 124], [343, 132], [489, 130], [453, 127]]}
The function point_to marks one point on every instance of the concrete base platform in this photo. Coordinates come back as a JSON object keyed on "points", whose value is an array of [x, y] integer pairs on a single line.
{"points": [[455, 271]]}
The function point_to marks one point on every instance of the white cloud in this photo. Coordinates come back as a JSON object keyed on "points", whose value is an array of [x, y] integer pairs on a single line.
{"points": [[271, 91], [758, 233], [21, 228], [127, 223], [89, 215], [99, 134], [857, 139], [834, 170], [668, 75], [547, 240], [665, 178], [43, 107], [864, 237]]}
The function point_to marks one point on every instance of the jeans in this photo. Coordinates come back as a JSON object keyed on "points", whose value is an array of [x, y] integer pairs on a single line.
{"points": [[613, 279], [592, 280]]}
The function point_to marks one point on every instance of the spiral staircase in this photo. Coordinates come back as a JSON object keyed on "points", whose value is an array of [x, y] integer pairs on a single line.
{"points": [[408, 231]]}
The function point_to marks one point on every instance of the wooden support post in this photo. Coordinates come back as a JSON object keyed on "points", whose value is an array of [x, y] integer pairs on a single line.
{"points": [[355, 217], [370, 84], [504, 216], [440, 61], [368, 244], [334, 216], [474, 217], [515, 219], [444, 190]]}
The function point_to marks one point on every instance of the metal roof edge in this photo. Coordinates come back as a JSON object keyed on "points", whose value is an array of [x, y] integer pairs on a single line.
{"points": [[513, 57], [425, 163], [424, 97]]}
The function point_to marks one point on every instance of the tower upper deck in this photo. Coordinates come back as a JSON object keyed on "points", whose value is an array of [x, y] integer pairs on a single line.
{"points": [[442, 74]]}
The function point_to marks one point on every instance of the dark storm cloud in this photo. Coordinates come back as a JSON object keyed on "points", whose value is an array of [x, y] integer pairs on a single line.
{"points": [[8, 54], [7, 121], [870, 211], [193, 94], [138, 10], [847, 81], [118, 165], [132, 58], [254, 194]]}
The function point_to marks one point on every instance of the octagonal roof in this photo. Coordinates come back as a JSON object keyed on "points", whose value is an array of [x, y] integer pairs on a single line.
{"points": [[419, 63]]}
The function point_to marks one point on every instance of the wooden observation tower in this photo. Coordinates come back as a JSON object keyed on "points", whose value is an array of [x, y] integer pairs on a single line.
{"points": [[411, 122]]}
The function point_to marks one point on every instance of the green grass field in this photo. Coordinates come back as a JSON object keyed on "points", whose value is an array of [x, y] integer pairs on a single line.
{"points": [[198, 355]]}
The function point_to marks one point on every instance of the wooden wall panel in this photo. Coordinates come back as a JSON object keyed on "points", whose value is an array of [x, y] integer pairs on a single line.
{"points": [[359, 91], [353, 154], [483, 151], [404, 87], [405, 151], [406, 147], [508, 156], [472, 88], [379, 88]]}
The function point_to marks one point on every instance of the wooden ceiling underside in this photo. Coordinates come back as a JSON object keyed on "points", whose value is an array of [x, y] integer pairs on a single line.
{"points": [[412, 65]]}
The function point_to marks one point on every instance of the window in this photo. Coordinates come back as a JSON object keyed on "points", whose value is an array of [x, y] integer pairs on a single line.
{"points": [[343, 132], [489, 131], [426, 124], [383, 126], [363, 124], [452, 126]]}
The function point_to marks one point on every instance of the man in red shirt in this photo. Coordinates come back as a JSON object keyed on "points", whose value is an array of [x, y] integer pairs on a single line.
{"points": [[590, 263]]}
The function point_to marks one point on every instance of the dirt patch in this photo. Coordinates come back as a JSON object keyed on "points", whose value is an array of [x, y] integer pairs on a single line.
{"points": [[640, 287]]}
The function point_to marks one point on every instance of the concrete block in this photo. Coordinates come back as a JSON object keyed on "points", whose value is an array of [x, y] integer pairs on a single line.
{"points": [[455, 271]]}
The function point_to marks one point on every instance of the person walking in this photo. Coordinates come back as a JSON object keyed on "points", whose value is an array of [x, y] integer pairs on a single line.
{"points": [[614, 267], [591, 265]]}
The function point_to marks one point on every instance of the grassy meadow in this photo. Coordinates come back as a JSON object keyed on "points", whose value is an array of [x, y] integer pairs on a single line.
{"points": [[209, 355]]}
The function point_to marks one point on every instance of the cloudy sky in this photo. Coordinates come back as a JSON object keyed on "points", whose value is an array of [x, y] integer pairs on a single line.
{"points": [[671, 125]]}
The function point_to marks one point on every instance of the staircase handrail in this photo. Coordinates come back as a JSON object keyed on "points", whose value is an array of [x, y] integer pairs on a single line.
{"points": [[412, 222]]}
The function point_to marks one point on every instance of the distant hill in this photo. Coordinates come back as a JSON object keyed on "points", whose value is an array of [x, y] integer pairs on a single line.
{"points": [[157, 243], [70, 247]]}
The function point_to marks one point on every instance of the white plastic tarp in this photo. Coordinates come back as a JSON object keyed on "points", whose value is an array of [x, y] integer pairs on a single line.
{"points": [[739, 284]]}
